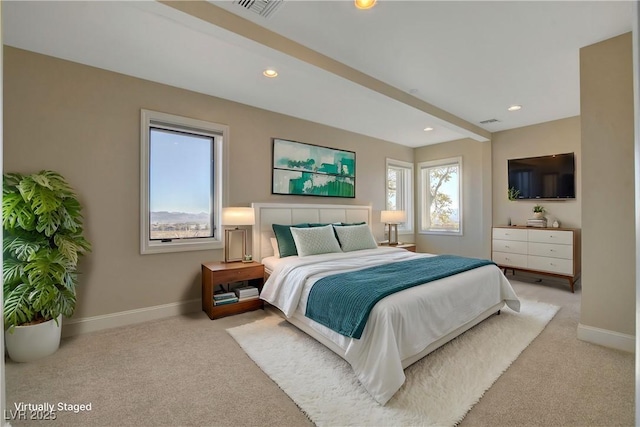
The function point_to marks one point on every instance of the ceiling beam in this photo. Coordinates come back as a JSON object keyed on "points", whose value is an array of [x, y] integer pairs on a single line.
{"points": [[204, 10]]}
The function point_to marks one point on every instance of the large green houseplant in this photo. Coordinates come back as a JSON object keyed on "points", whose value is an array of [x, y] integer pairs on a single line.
{"points": [[43, 240]]}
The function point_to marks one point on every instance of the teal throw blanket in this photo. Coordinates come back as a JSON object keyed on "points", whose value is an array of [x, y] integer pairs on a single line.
{"points": [[342, 302]]}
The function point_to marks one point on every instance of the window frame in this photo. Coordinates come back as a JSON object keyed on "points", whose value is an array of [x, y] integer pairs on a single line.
{"points": [[406, 193], [172, 122], [422, 195]]}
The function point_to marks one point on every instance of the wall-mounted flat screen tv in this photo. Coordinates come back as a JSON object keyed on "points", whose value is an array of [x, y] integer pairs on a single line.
{"points": [[545, 177]]}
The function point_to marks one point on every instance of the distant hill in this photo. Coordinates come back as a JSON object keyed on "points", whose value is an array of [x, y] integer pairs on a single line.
{"points": [[164, 217]]}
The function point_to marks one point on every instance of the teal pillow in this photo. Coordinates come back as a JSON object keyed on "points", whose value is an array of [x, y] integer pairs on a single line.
{"points": [[346, 224], [318, 224], [286, 244]]}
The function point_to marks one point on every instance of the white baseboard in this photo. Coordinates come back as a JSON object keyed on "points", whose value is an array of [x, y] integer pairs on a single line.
{"points": [[607, 338], [85, 325]]}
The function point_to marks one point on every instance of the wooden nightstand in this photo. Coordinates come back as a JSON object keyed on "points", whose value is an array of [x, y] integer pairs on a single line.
{"points": [[220, 273], [411, 247]]}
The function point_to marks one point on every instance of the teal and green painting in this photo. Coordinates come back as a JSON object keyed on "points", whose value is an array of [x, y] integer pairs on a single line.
{"points": [[312, 170]]}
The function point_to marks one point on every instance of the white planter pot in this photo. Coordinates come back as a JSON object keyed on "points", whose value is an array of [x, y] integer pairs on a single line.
{"points": [[29, 343]]}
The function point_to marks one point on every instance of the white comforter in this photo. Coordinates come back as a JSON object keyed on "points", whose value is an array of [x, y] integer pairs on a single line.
{"points": [[399, 326]]}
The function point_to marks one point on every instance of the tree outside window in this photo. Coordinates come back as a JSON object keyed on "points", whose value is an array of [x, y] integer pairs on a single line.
{"points": [[441, 207]]}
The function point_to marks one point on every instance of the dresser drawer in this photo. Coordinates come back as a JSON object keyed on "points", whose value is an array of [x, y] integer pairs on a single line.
{"points": [[510, 246], [551, 236], [551, 265], [551, 250], [510, 260], [510, 234]]}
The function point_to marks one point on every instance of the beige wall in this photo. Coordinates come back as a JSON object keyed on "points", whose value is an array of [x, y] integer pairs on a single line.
{"points": [[476, 199], [608, 223], [558, 136], [85, 123]]}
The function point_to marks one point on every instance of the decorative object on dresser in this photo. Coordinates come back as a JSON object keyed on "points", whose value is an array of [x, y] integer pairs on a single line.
{"points": [[538, 219], [311, 170], [218, 276], [392, 219], [538, 212], [554, 252], [539, 223], [235, 240]]}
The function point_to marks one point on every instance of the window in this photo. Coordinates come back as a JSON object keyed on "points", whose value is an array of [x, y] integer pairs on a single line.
{"points": [[181, 183], [400, 191], [441, 196]]}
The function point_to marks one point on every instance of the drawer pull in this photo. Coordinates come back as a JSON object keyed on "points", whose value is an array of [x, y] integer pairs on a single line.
{"points": [[506, 246]]}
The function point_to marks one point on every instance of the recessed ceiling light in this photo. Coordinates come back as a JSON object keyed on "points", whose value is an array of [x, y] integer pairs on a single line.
{"points": [[365, 4], [514, 107], [270, 73], [428, 129]]}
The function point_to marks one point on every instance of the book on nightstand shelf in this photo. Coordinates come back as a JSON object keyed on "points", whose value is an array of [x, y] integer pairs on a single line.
{"points": [[223, 296], [225, 301], [247, 291]]}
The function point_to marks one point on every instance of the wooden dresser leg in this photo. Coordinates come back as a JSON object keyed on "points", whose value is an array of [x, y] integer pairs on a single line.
{"points": [[571, 284]]}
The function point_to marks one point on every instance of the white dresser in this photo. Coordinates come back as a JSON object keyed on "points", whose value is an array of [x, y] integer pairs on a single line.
{"points": [[550, 251]]}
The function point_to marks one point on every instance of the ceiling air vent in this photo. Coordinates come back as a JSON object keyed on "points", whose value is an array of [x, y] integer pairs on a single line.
{"points": [[262, 7], [485, 122]]}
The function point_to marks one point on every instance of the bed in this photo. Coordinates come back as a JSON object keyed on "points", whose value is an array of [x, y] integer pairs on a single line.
{"points": [[402, 327]]}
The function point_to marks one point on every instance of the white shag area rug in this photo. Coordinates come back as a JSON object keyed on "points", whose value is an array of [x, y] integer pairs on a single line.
{"points": [[439, 390]]}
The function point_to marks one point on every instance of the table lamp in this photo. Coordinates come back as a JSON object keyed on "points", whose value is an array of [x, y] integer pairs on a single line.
{"points": [[235, 239], [392, 219]]}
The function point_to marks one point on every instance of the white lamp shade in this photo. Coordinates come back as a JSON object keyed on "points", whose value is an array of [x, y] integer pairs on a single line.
{"points": [[393, 217], [238, 216]]}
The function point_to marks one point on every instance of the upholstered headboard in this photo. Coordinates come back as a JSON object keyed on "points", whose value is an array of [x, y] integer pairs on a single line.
{"points": [[268, 214]]}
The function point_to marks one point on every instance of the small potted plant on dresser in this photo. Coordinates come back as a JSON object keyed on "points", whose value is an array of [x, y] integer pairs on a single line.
{"points": [[538, 212], [43, 239]]}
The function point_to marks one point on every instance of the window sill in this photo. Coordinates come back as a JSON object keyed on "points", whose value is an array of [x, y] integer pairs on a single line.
{"points": [[169, 247], [442, 233]]}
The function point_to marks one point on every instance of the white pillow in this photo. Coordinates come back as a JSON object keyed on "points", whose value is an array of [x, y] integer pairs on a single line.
{"points": [[274, 245], [314, 241], [355, 237]]}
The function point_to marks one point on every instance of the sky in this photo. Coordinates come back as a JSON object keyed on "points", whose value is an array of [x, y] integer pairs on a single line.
{"points": [[180, 170]]}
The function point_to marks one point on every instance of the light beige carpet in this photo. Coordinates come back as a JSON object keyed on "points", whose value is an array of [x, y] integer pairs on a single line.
{"points": [[188, 371], [439, 390]]}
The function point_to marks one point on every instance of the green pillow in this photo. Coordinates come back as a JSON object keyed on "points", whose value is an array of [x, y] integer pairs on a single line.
{"points": [[286, 244], [352, 223]]}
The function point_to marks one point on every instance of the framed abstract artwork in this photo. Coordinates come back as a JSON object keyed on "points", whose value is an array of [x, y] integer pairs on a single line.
{"points": [[311, 170]]}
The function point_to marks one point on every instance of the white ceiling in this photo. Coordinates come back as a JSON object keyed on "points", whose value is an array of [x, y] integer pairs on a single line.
{"points": [[470, 59]]}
